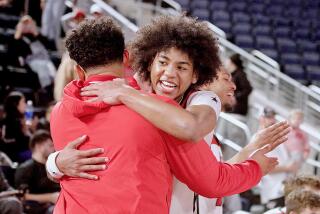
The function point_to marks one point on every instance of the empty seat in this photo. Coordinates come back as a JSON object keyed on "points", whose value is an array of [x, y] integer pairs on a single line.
{"points": [[272, 53], [274, 10], [286, 45], [220, 16], [261, 19], [301, 33], [224, 25], [239, 17], [244, 41], [290, 59], [217, 5], [295, 71], [265, 42], [298, 22], [256, 8], [261, 30], [201, 14], [241, 29], [280, 21], [199, 4], [313, 73], [306, 45], [282, 32], [292, 12], [311, 58], [184, 3], [237, 6], [311, 13]]}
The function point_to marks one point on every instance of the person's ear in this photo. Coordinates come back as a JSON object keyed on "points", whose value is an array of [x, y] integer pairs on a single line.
{"points": [[126, 56], [80, 71], [194, 77]]}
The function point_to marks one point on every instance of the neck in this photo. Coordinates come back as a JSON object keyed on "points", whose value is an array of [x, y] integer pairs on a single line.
{"points": [[38, 157], [114, 69]]}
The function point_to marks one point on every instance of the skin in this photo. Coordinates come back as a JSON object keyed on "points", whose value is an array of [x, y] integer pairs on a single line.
{"points": [[22, 105], [171, 74]]}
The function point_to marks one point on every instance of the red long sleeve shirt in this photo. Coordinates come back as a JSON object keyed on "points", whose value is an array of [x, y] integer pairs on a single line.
{"points": [[142, 160]]}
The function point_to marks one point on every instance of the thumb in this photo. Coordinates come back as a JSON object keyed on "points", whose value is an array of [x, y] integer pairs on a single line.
{"points": [[76, 143]]}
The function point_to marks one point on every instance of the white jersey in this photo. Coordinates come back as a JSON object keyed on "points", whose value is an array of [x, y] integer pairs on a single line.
{"points": [[182, 196]]}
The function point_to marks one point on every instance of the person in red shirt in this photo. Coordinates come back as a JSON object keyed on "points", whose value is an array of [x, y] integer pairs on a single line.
{"points": [[142, 158]]}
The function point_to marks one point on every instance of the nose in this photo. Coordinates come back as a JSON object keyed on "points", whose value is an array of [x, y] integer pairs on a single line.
{"points": [[170, 71], [233, 86]]}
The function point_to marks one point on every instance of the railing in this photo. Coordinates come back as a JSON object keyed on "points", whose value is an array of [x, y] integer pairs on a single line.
{"points": [[129, 28]]}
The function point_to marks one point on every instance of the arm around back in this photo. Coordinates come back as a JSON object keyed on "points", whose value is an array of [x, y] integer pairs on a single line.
{"points": [[194, 165]]}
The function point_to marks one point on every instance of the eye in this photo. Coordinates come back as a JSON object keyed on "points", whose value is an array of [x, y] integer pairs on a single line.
{"points": [[161, 62], [181, 68]]}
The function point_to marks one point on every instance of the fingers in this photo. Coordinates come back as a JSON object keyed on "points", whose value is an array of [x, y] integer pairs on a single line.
{"points": [[92, 100], [90, 93], [87, 176], [278, 142], [90, 152], [88, 168], [94, 160], [281, 134], [276, 128], [284, 127], [91, 87], [76, 143], [265, 149]]}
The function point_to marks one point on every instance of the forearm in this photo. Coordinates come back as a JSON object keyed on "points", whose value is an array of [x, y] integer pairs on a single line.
{"points": [[243, 154], [280, 169], [41, 198], [169, 118], [195, 165]]}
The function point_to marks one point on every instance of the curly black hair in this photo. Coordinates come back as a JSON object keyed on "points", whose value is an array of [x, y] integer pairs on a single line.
{"points": [[96, 42], [184, 33]]}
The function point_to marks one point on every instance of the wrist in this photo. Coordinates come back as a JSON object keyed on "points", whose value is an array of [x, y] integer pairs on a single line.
{"points": [[52, 166], [126, 93]]}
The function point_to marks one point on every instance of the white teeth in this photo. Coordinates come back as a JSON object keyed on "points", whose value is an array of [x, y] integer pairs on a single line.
{"points": [[168, 84]]}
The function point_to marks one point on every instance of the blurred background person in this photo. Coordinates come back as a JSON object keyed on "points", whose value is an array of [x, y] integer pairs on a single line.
{"points": [[300, 182], [42, 193], [31, 48], [9, 202], [96, 11], [15, 132], [65, 74], [234, 65], [297, 145], [271, 185], [302, 202]]}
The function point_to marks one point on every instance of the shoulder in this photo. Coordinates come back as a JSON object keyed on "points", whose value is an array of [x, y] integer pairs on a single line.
{"points": [[26, 165], [207, 98]]}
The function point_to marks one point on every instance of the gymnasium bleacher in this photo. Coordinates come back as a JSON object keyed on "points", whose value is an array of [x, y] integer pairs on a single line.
{"points": [[287, 31]]}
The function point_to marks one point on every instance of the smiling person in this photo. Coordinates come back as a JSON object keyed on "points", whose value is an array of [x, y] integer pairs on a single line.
{"points": [[141, 166]]}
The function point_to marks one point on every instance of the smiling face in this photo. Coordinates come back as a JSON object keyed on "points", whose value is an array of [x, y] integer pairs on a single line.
{"points": [[224, 87], [172, 73]]}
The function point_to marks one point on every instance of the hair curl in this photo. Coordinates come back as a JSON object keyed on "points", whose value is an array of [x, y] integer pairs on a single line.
{"points": [[298, 200], [184, 33], [298, 182], [96, 42]]}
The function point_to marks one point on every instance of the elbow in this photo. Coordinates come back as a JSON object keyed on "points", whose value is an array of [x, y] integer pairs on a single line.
{"points": [[190, 132]]}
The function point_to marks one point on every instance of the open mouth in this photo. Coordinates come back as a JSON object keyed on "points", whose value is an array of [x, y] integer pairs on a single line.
{"points": [[230, 94], [167, 86]]}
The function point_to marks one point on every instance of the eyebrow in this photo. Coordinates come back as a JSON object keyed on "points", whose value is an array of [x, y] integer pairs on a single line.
{"points": [[181, 62]]}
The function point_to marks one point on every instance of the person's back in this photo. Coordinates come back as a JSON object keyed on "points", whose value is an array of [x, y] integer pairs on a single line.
{"points": [[134, 147]]}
